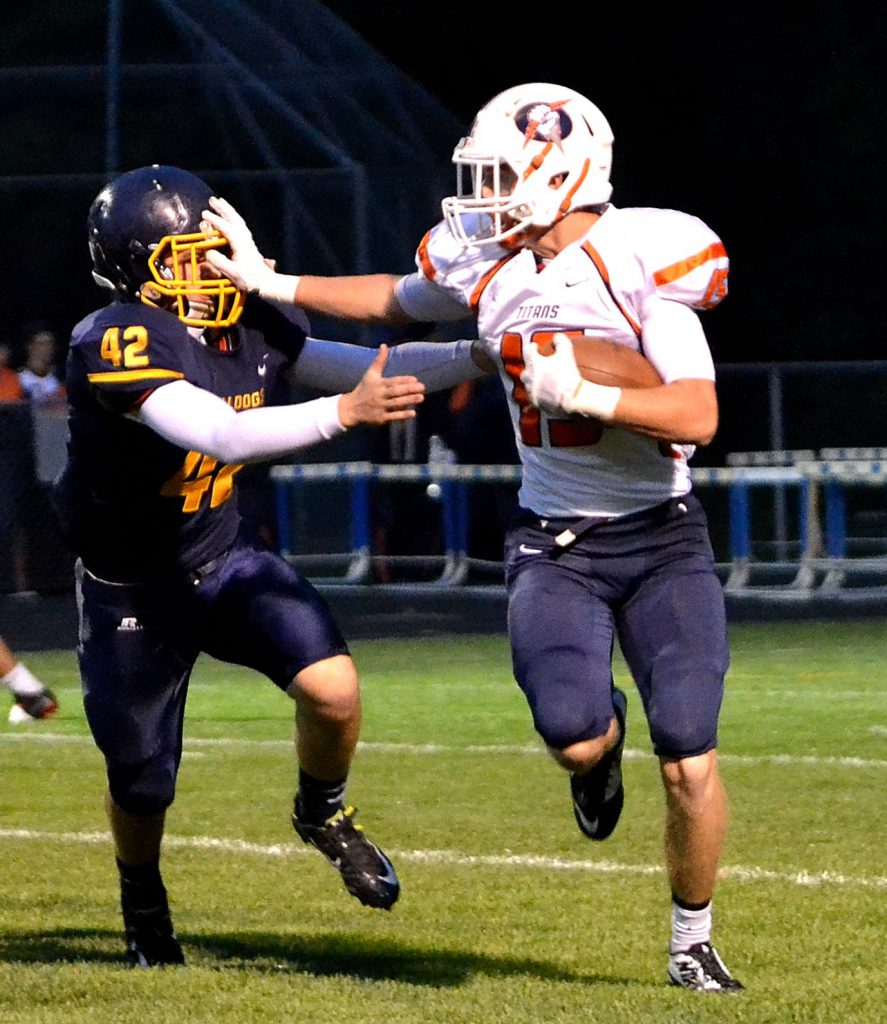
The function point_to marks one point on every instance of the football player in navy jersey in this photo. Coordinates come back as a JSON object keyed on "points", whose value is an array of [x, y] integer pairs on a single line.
{"points": [[168, 388], [610, 542]]}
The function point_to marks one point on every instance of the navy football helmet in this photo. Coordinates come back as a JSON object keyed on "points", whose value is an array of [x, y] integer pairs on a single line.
{"points": [[146, 245]]}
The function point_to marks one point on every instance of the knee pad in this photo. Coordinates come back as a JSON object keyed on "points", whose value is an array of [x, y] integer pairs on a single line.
{"points": [[562, 731], [565, 711], [568, 691], [142, 789], [680, 743]]}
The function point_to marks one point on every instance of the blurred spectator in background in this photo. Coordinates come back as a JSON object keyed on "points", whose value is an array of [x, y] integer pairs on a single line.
{"points": [[38, 376], [32, 700], [16, 473], [10, 386], [33, 432]]}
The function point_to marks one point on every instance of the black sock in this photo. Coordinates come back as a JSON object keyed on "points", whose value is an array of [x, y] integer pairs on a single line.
{"points": [[142, 884], [317, 800], [689, 906]]}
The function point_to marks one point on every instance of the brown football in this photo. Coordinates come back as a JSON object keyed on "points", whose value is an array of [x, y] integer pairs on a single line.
{"points": [[607, 362]]}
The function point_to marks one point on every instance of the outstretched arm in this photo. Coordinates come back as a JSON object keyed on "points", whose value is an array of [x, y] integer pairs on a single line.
{"points": [[335, 365], [196, 420]]}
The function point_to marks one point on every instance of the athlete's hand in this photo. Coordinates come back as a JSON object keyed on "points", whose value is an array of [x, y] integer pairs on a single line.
{"points": [[555, 385], [377, 399], [551, 380], [246, 266]]}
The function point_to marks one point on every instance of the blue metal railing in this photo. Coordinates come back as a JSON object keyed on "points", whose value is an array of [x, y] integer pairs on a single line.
{"points": [[820, 542]]}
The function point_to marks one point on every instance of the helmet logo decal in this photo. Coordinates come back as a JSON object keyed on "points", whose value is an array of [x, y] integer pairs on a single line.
{"points": [[544, 122]]}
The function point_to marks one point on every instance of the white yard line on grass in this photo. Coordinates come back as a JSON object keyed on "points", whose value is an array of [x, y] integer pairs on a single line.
{"points": [[453, 858], [197, 743]]}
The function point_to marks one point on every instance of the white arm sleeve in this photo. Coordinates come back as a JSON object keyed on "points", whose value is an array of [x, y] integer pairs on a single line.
{"points": [[424, 301], [199, 421], [336, 366], [675, 342]]}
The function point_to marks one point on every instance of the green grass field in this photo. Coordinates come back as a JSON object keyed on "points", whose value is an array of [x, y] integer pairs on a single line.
{"points": [[507, 913]]}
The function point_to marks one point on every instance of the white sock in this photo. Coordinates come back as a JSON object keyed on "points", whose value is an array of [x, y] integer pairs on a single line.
{"points": [[689, 926], [22, 681]]}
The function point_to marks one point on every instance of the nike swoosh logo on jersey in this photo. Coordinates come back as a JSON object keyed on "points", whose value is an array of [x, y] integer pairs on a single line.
{"points": [[524, 550]]}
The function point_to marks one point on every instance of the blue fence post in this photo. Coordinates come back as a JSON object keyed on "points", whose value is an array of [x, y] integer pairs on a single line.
{"points": [[804, 517], [835, 520], [740, 526], [360, 513]]}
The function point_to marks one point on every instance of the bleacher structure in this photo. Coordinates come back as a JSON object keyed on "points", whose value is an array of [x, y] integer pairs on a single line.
{"points": [[336, 158]]}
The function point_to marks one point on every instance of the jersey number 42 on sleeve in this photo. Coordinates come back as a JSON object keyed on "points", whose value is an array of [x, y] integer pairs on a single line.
{"points": [[132, 354]]}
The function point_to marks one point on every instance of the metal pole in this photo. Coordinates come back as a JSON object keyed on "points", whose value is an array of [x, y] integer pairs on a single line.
{"points": [[777, 443]]}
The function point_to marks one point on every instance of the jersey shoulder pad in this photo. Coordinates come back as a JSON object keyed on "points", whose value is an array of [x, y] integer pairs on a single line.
{"points": [[130, 347], [441, 255], [682, 258], [460, 272]]}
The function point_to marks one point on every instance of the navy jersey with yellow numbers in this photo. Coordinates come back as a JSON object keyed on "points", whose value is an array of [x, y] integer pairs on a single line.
{"points": [[133, 506]]}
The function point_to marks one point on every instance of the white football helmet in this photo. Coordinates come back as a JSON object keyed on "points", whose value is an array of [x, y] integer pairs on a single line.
{"points": [[535, 153]]}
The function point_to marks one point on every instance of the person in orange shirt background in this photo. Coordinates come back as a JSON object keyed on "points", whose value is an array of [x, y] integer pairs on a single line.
{"points": [[10, 386]]}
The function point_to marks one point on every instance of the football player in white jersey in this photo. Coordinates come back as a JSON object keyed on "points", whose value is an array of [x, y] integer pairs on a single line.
{"points": [[610, 541]]}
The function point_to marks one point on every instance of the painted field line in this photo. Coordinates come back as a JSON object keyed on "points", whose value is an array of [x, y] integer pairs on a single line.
{"points": [[454, 858], [198, 743]]}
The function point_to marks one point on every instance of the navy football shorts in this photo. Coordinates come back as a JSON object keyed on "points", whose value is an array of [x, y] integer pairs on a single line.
{"points": [[647, 579], [138, 645]]}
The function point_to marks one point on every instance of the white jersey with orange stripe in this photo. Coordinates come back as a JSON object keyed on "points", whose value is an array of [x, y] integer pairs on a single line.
{"points": [[635, 277]]}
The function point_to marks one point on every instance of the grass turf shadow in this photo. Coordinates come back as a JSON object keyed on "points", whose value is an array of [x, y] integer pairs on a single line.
{"points": [[345, 954]]}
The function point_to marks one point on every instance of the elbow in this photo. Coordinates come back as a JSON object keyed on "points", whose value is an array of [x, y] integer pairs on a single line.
{"points": [[704, 429], [699, 431], [698, 412], [223, 445]]}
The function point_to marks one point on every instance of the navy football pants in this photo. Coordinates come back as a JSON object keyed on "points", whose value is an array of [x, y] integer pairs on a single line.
{"points": [[647, 579], [138, 645]]}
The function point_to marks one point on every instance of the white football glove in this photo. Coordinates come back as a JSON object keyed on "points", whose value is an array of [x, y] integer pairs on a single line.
{"points": [[555, 385], [246, 266]]}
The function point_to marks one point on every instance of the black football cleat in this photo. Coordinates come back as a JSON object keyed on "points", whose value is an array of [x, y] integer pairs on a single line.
{"points": [[150, 938], [367, 873], [701, 969], [598, 795]]}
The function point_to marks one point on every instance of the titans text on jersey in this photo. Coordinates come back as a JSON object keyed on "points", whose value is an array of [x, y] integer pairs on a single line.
{"points": [[600, 286]]}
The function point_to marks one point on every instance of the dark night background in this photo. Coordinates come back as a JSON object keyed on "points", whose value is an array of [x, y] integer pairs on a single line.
{"points": [[766, 122], [765, 119]]}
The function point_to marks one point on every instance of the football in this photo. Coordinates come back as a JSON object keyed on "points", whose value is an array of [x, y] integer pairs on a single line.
{"points": [[607, 362]]}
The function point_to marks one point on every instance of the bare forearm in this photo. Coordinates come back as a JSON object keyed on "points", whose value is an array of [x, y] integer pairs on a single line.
{"points": [[368, 298], [684, 412]]}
